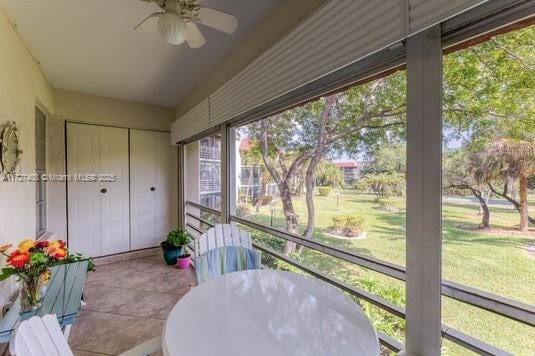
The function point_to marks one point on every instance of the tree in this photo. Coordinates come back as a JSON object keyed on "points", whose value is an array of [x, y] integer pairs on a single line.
{"points": [[251, 156], [458, 177], [329, 174], [383, 185], [487, 94], [488, 90], [390, 158], [506, 158], [489, 101], [304, 136], [504, 193]]}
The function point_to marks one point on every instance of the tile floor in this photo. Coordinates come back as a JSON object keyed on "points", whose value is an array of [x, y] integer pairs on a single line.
{"points": [[127, 304]]}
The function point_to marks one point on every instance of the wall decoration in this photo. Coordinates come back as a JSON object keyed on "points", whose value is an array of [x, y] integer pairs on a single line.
{"points": [[9, 148]]}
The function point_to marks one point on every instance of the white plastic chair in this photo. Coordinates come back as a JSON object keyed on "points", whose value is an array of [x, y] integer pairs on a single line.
{"points": [[39, 336], [222, 235], [42, 336]]}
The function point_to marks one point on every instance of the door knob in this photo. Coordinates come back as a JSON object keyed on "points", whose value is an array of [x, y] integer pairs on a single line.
{"points": [[103, 190], [152, 189]]}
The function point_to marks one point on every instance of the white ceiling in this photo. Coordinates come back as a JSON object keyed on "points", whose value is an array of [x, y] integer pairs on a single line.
{"points": [[89, 46]]}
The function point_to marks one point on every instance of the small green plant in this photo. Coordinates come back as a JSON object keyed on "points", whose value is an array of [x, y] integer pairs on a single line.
{"points": [[324, 191], [179, 237], [349, 225], [382, 320]]}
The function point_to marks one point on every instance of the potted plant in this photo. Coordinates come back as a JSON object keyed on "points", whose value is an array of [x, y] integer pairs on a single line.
{"points": [[31, 262], [175, 244], [184, 260]]}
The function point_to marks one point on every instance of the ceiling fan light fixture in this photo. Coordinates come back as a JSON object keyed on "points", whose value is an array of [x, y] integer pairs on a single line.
{"points": [[172, 28]]}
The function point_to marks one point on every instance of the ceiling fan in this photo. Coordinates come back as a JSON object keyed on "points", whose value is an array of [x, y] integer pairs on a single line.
{"points": [[177, 22]]}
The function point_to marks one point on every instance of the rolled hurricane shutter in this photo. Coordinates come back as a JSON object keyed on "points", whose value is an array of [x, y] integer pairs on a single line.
{"points": [[338, 34], [193, 122], [426, 13]]}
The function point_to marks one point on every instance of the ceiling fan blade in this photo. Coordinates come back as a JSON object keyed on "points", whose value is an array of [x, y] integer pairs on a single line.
{"points": [[149, 24], [217, 19], [194, 37]]}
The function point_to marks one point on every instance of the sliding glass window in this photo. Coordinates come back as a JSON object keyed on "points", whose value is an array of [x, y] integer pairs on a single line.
{"points": [[332, 171], [202, 180], [488, 180]]}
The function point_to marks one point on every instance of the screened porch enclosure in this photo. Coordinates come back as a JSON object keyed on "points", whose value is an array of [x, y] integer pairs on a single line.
{"points": [[255, 183]]}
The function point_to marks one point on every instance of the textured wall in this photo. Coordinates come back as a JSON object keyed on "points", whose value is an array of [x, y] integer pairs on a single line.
{"points": [[22, 87]]}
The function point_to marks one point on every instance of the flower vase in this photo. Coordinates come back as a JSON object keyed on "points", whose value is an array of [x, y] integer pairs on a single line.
{"points": [[31, 294]]}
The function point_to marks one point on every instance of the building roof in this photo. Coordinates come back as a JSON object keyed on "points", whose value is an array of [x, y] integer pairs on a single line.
{"points": [[246, 144]]}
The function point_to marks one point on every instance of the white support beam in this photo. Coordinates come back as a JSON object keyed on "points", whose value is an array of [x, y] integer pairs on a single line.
{"points": [[181, 196], [233, 170], [424, 191], [226, 157]]}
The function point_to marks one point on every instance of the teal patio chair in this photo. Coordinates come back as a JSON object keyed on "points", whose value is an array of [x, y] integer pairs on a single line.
{"points": [[222, 260]]}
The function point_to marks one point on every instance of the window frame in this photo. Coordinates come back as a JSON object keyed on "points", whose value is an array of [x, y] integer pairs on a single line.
{"points": [[41, 223], [460, 29]]}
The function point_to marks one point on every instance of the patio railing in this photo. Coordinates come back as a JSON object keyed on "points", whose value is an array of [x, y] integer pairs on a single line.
{"points": [[209, 185], [509, 308], [210, 153]]}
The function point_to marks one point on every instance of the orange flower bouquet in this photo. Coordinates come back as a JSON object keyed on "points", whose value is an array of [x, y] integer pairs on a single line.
{"points": [[31, 262]]}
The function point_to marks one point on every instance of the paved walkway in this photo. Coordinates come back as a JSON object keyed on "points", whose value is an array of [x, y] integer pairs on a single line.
{"points": [[127, 304]]}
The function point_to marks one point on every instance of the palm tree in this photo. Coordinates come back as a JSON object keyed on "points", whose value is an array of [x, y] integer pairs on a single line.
{"points": [[508, 158]]}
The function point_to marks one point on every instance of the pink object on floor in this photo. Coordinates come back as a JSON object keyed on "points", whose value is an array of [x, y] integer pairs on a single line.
{"points": [[183, 262]]}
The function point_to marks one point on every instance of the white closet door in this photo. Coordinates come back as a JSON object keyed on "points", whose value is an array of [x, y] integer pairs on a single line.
{"points": [[153, 190], [98, 211], [166, 185], [83, 156], [114, 203], [142, 179]]}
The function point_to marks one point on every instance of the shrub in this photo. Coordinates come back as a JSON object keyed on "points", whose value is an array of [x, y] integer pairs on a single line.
{"points": [[324, 191], [349, 225], [389, 205], [266, 199], [351, 221], [243, 209], [382, 320]]}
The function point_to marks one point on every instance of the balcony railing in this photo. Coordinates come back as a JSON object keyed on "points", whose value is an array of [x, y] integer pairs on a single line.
{"points": [[209, 186], [251, 182], [511, 309], [210, 153]]}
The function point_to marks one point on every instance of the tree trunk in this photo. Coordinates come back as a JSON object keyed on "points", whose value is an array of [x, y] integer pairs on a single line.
{"points": [[310, 175], [485, 221], [290, 216], [504, 195], [523, 192], [310, 182]]}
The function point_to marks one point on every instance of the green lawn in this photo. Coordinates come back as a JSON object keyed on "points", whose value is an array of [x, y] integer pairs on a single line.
{"points": [[493, 261]]}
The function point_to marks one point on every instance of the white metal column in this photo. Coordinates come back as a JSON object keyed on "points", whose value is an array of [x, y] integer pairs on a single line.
{"points": [[181, 196], [424, 190], [226, 155]]}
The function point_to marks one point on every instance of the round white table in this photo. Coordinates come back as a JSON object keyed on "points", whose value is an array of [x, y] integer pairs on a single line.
{"points": [[266, 312]]}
